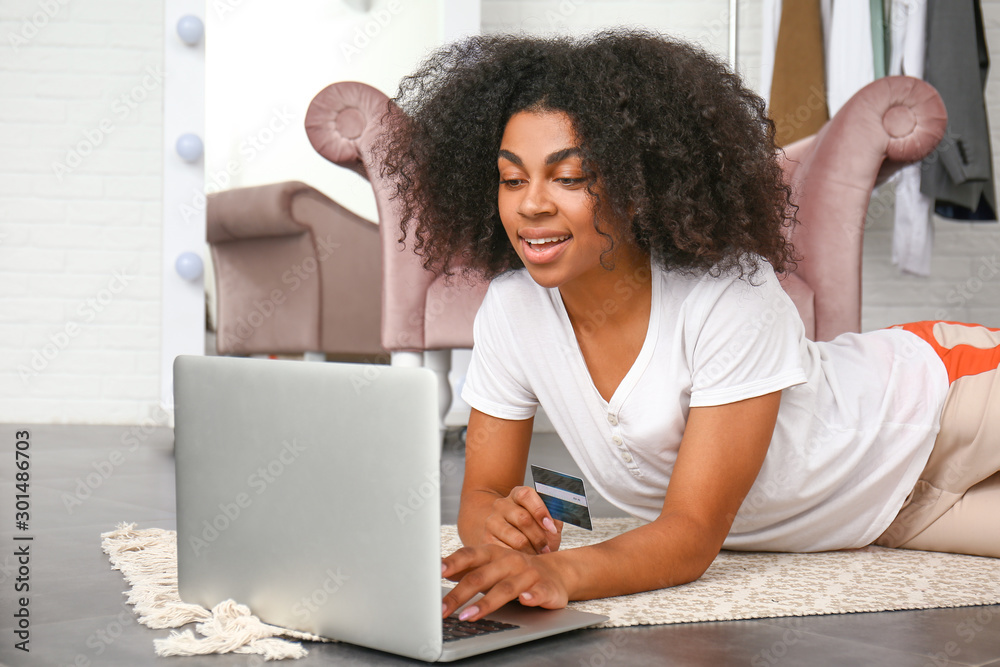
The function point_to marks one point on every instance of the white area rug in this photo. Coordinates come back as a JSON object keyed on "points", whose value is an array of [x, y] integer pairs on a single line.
{"points": [[742, 585], [148, 560], [737, 586]]}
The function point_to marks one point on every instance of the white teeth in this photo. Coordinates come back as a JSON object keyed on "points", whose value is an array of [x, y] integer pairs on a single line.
{"points": [[551, 239]]}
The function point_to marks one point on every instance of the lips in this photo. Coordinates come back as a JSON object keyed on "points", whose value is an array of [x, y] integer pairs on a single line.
{"points": [[543, 249]]}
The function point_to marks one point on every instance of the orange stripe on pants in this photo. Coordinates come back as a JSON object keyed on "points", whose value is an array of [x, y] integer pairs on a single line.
{"points": [[955, 505], [965, 349]]}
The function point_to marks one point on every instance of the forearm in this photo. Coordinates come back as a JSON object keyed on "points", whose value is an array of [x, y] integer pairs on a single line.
{"points": [[496, 454], [668, 552]]}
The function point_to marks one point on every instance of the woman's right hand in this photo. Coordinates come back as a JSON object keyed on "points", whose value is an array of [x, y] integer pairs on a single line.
{"points": [[520, 521]]}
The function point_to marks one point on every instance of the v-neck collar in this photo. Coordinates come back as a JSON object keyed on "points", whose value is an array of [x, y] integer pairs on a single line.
{"points": [[635, 372]]}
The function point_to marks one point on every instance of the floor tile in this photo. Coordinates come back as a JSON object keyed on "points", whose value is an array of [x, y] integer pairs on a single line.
{"points": [[965, 635]]}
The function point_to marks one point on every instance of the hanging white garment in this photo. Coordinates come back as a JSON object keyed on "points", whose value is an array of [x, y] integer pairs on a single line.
{"points": [[913, 229], [850, 59], [770, 20], [908, 37]]}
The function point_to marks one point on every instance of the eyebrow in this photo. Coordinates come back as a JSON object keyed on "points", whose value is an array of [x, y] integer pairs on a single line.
{"points": [[551, 158]]}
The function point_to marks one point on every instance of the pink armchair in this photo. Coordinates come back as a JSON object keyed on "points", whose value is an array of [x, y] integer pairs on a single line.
{"points": [[424, 316], [888, 124]]}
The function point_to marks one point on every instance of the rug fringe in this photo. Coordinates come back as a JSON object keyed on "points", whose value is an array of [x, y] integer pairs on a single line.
{"points": [[148, 560]]}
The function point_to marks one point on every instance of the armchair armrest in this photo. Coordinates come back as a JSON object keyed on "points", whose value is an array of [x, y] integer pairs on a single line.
{"points": [[255, 212], [888, 124], [343, 122]]}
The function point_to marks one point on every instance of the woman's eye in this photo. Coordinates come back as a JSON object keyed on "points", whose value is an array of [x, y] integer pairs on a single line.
{"points": [[511, 182], [570, 181]]}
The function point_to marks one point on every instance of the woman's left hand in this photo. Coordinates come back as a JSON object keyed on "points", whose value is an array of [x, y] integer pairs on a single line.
{"points": [[502, 575]]}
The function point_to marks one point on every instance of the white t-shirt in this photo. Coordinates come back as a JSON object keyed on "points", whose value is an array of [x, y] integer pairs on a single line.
{"points": [[856, 425]]}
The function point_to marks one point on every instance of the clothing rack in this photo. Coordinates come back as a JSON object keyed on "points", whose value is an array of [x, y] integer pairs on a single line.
{"points": [[734, 20]]}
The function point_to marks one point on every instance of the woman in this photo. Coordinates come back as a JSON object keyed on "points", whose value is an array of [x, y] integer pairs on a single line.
{"points": [[623, 194]]}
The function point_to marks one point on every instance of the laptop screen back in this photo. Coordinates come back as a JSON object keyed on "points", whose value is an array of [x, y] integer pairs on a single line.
{"points": [[310, 492]]}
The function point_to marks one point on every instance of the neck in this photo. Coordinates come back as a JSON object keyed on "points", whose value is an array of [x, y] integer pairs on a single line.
{"points": [[609, 296]]}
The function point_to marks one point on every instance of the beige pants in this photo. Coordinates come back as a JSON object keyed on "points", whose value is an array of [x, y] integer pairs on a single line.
{"points": [[955, 505]]}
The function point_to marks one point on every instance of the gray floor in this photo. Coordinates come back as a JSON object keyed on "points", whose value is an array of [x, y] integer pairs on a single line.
{"points": [[80, 487]]}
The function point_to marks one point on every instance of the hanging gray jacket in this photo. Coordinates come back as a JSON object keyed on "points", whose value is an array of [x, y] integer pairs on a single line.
{"points": [[960, 170]]}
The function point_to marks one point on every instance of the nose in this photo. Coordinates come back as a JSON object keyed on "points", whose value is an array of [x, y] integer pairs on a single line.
{"points": [[536, 201]]}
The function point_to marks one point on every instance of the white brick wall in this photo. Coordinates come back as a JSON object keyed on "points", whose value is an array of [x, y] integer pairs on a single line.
{"points": [[702, 21], [80, 86], [962, 285]]}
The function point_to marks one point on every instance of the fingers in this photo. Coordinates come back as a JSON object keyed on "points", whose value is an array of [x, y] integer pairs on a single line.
{"points": [[521, 522], [501, 575], [501, 584], [525, 536], [556, 540], [467, 559], [529, 499]]}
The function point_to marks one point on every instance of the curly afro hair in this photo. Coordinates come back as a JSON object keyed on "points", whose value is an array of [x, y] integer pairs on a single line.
{"points": [[678, 153]]}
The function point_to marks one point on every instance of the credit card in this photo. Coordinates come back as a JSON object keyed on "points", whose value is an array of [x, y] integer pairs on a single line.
{"points": [[564, 495]]}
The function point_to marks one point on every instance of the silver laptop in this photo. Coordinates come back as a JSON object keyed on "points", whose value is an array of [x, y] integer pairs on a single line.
{"points": [[310, 492]]}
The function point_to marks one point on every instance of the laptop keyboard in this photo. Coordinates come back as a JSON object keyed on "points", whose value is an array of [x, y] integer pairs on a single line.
{"points": [[456, 629]]}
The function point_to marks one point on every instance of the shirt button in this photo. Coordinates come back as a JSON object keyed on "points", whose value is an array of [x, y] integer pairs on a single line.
{"points": [[626, 457], [617, 440], [612, 419]]}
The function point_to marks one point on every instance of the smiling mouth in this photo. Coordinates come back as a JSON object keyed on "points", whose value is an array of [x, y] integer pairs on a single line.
{"points": [[544, 250]]}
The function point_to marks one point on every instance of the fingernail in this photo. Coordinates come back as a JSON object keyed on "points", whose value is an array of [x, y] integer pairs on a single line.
{"points": [[545, 549], [444, 608], [468, 613], [444, 568], [549, 526], [526, 596]]}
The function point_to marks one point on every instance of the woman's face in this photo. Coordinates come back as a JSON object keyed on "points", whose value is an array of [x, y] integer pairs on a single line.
{"points": [[543, 201]]}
